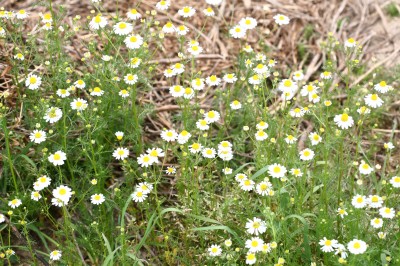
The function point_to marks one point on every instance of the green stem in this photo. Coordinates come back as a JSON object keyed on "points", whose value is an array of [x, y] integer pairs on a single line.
{"points": [[10, 162]]}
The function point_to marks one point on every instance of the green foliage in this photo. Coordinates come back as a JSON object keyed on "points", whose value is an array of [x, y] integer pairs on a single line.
{"points": [[170, 212]]}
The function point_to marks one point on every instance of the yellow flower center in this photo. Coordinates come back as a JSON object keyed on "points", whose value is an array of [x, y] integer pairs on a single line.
{"points": [[250, 256], [287, 83], [62, 191], [133, 39], [328, 243], [382, 84], [57, 157], [195, 146], [344, 117], [356, 245], [32, 80], [122, 26], [374, 97], [97, 19]]}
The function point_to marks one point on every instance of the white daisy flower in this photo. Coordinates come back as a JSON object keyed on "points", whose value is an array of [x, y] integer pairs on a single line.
{"points": [[97, 199], [256, 226], [133, 41], [214, 250], [212, 116], [37, 136], [356, 246], [55, 255], [15, 203], [208, 153], [382, 87], [121, 153], [248, 23], [138, 196], [62, 193], [33, 81], [98, 22], [254, 244], [131, 79], [276, 170], [57, 158], [328, 245], [281, 19], [306, 154], [133, 14], [343, 121], [186, 12], [386, 212], [123, 28], [79, 104], [373, 100], [169, 135], [237, 32]]}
